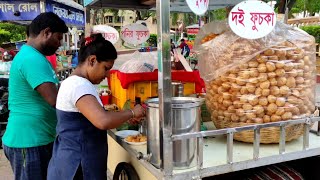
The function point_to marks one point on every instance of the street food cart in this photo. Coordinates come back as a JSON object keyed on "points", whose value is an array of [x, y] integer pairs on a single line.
{"points": [[215, 151]]}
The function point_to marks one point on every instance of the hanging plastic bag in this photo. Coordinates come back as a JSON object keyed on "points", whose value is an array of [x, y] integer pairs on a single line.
{"points": [[257, 81], [140, 62]]}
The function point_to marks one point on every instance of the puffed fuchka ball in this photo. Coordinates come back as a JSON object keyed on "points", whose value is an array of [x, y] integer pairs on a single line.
{"points": [[270, 87]]}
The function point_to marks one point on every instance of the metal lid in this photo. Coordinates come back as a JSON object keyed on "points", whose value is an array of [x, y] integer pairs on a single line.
{"points": [[178, 102]]}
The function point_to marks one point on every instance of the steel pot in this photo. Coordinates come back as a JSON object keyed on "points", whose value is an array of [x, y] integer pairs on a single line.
{"points": [[186, 118]]}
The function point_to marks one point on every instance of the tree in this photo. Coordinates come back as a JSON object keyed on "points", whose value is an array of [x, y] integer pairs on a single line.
{"points": [[144, 14], [93, 17], [189, 19], [12, 32], [312, 6], [4, 36], [299, 6], [174, 18], [218, 14], [281, 5], [100, 17], [115, 12]]}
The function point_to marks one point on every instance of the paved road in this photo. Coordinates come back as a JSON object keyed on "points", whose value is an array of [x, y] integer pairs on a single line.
{"points": [[5, 169], [6, 172]]}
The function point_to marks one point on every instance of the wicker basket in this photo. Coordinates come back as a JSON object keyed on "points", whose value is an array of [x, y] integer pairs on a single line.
{"points": [[267, 135]]}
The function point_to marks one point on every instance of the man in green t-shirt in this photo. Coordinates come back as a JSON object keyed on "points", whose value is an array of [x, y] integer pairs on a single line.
{"points": [[33, 91]]}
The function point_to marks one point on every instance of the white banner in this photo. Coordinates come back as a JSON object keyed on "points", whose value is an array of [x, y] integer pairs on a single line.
{"points": [[252, 19], [135, 34], [199, 7], [108, 32]]}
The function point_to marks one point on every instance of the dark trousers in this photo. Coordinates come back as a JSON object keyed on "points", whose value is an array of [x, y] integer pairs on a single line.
{"points": [[29, 163]]}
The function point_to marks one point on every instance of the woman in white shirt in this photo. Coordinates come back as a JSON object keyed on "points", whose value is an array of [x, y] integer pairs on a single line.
{"points": [[80, 149]]}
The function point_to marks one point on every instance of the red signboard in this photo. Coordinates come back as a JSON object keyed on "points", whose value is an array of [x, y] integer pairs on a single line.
{"points": [[192, 31]]}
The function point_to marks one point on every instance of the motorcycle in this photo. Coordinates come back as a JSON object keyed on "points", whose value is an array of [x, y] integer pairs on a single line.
{"points": [[4, 111]]}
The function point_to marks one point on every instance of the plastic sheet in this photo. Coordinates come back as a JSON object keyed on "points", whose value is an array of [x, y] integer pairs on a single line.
{"points": [[140, 62]]}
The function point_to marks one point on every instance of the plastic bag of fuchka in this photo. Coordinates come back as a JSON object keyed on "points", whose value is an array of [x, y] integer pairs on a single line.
{"points": [[257, 81]]}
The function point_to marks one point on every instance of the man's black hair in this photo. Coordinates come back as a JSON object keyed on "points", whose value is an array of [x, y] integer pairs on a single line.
{"points": [[182, 40], [47, 20], [103, 49]]}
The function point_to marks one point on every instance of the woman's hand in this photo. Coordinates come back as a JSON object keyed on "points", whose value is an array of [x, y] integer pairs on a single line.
{"points": [[138, 113]]}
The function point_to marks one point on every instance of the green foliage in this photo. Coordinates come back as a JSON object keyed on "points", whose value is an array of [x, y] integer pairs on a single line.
{"points": [[12, 32], [298, 7], [153, 40], [145, 14], [191, 36], [126, 125], [175, 17], [312, 6], [4, 36], [189, 19], [115, 12], [218, 14], [313, 30]]}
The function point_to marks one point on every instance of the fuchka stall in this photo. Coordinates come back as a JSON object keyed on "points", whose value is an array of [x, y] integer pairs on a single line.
{"points": [[259, 90]]}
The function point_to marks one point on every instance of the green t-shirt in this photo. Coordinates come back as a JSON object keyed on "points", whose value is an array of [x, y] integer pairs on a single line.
{"points": [[32, 121]]}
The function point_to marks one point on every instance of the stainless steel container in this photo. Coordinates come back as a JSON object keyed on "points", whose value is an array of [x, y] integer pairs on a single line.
{"points": [[185, 119], [177, 89]]}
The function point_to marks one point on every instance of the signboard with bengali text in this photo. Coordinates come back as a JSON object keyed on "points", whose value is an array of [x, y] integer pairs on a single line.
{"points": [[28, 10], [192, 31], [108, 32], [252, 19], [199, 7], [70, 15], [135, 34]]}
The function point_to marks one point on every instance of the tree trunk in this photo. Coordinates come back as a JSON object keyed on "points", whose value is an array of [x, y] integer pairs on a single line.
{"points": [[283, 4], [88, 25], [281, 7], [93, 17], [138, 15]]}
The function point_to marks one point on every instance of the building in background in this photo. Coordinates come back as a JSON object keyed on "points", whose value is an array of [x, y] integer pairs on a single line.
{"points": [[125, 17], [122, 18]]}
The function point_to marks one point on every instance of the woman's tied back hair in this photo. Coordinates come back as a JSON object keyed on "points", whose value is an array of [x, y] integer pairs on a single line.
{"points": [[98, 46], [46, 20]]}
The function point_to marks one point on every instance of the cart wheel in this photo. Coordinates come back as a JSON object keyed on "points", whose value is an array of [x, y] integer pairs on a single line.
{"points": [[125, 171]]}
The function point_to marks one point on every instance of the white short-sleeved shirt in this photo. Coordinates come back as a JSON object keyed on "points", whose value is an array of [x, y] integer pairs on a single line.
{"points": [[71, 90]]}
